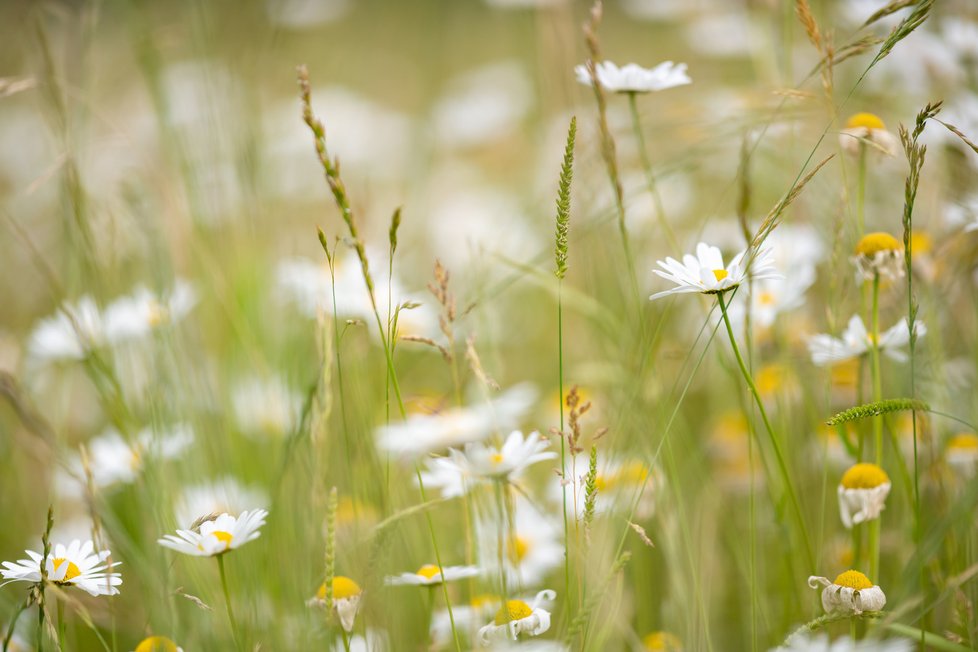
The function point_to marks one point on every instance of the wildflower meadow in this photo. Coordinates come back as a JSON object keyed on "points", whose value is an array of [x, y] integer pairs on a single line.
{"points": [[554, 325]]}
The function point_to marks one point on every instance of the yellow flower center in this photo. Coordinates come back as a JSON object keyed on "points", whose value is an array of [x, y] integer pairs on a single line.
{"points": [[157, 314], [512, 610], [70, 574], [920, 243], [662, 642], [766, 298], [343, 588], [720, 274], [867, 120], [873, 243], [964, 441], [864, 476], [853, 580], [428, 571], [496, 458], [770, 379], [156, 644], [518, 547], [222, 536]]}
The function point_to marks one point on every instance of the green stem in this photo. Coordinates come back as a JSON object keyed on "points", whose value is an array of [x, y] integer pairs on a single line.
{"points": [[346, 639], [61, 625], [13, 623], [775, 443], [563, 442], [501, 540], [874, 525], [227, 602], [643, 153], [861, 190]]}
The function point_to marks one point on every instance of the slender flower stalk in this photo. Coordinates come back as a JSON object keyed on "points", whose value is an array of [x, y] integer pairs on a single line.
{"points": [[227, 602], [643, 153], [861, 190], [874, 525]]}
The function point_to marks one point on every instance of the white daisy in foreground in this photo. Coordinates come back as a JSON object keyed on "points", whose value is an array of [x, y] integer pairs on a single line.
{"points": [[850, 594], [517, 617], [805, 642], [506, 463], [705, 272], [867, 130], [76, 564], [878, 254], [862, 493], [633, 78], [157, 644], [856, 341], [431, 575], [217, 536], [346, 599]]}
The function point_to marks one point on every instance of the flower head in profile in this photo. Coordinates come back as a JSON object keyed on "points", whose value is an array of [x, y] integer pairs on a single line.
{"points": [[505, 463], [217, 536], [76, 564], [517, 617], [346, 599], [705, 272], [157, 644], [962, 453], [431, 575], [862, 493], [633, 78], [662, 642], [878, 254], [856, 341], [850, 594], [867, 130]]}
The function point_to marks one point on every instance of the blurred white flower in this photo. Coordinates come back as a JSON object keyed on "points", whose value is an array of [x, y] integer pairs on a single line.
{"points": [[719, 33], [222, 495], [305, 14], [517, 617], [533, 545], [266, 407], [850, 593], [481, 462], [376, 640], [430, 575], [862, 493], [807, 642], [856, 341], [217, 536], [68, 335], [706, 274], [633, 78], [136, 315], [962, 453], [483, 106], [112, 459], [76, 564]]}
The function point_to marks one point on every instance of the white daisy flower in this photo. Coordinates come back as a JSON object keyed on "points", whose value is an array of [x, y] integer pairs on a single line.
{"points": [[878, 254], [423, 433], [376, 640], [70, 334], [533, 543], [157, 644], [431, 575], [774, 296], [850, 593], [806, 642], [862, 493], [73, 565], [962, 453], [856, 341], [517, 617], [266, 407], [222, 495], [346, 599], [482, 462], [705, 273], [867, 128], [136, 315], [633, 78], [217, 536]]}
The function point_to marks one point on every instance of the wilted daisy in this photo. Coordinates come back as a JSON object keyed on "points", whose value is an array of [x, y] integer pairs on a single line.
{"points": [[867, 130], [878, 254], [807, 642], [217, 536], [705, 273], [517, 617], [73, 565], [856, 341], [662, 642], [505, 463], [346, 599], [850, 593], [962, 453], [633, 78], [862, 493], [430, 575], [157, 644]]}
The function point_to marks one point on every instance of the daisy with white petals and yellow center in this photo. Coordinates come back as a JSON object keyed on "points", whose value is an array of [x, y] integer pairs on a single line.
{"points": [[503, 464], [633, 78], [217, 536], [705, 272], [76, 564], [662, 642], [856, 341], [517, 617], [878, 254], [866, 130], [346, 599], [850, 594], [431, 575], [157, 644], [962, 453], [862, 493]]}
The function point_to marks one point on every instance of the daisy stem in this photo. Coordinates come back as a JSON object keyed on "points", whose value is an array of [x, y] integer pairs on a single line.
{"points": [[13, 622], [563, 442], [501, 540], [346, 639], [227, 602], [61, 624], [775, 443], [643, 153], [874, 525], [861, 190]]}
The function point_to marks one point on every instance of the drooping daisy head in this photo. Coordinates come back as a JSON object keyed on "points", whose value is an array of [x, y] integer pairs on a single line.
{"points": [[157, 644], [217, 536], [346, 599], [862, 493], [850, 594], [76, 564], [878, 254], [517, 617], [633, 78], [867, 130], [431, 575], [705, 272], [662, 642]]}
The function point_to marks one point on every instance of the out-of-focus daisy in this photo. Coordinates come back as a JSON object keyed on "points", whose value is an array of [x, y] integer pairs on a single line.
{"points": [[772, 297], [662, 642], [136, 315], [517, 617], [376, 640], [776, 381], [867, 130], [217, 536], [806, 642], [962, 453], [266, 406], [157, 644], [532, 544], [422, 433], [878, 253], [431, 575], [506, 463], [76, 564], [856, 341], [850, 593], [112, 459], [705, 273], [730, 450], [70, 334], [222, 495], [483, 106], [468, 618], [862, 493], [633, 78], [619, 481], [346, 599]]}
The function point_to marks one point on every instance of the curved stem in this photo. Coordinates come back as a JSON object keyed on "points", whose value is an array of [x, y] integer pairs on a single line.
{"points": [[874, 525], [227, 602]]}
